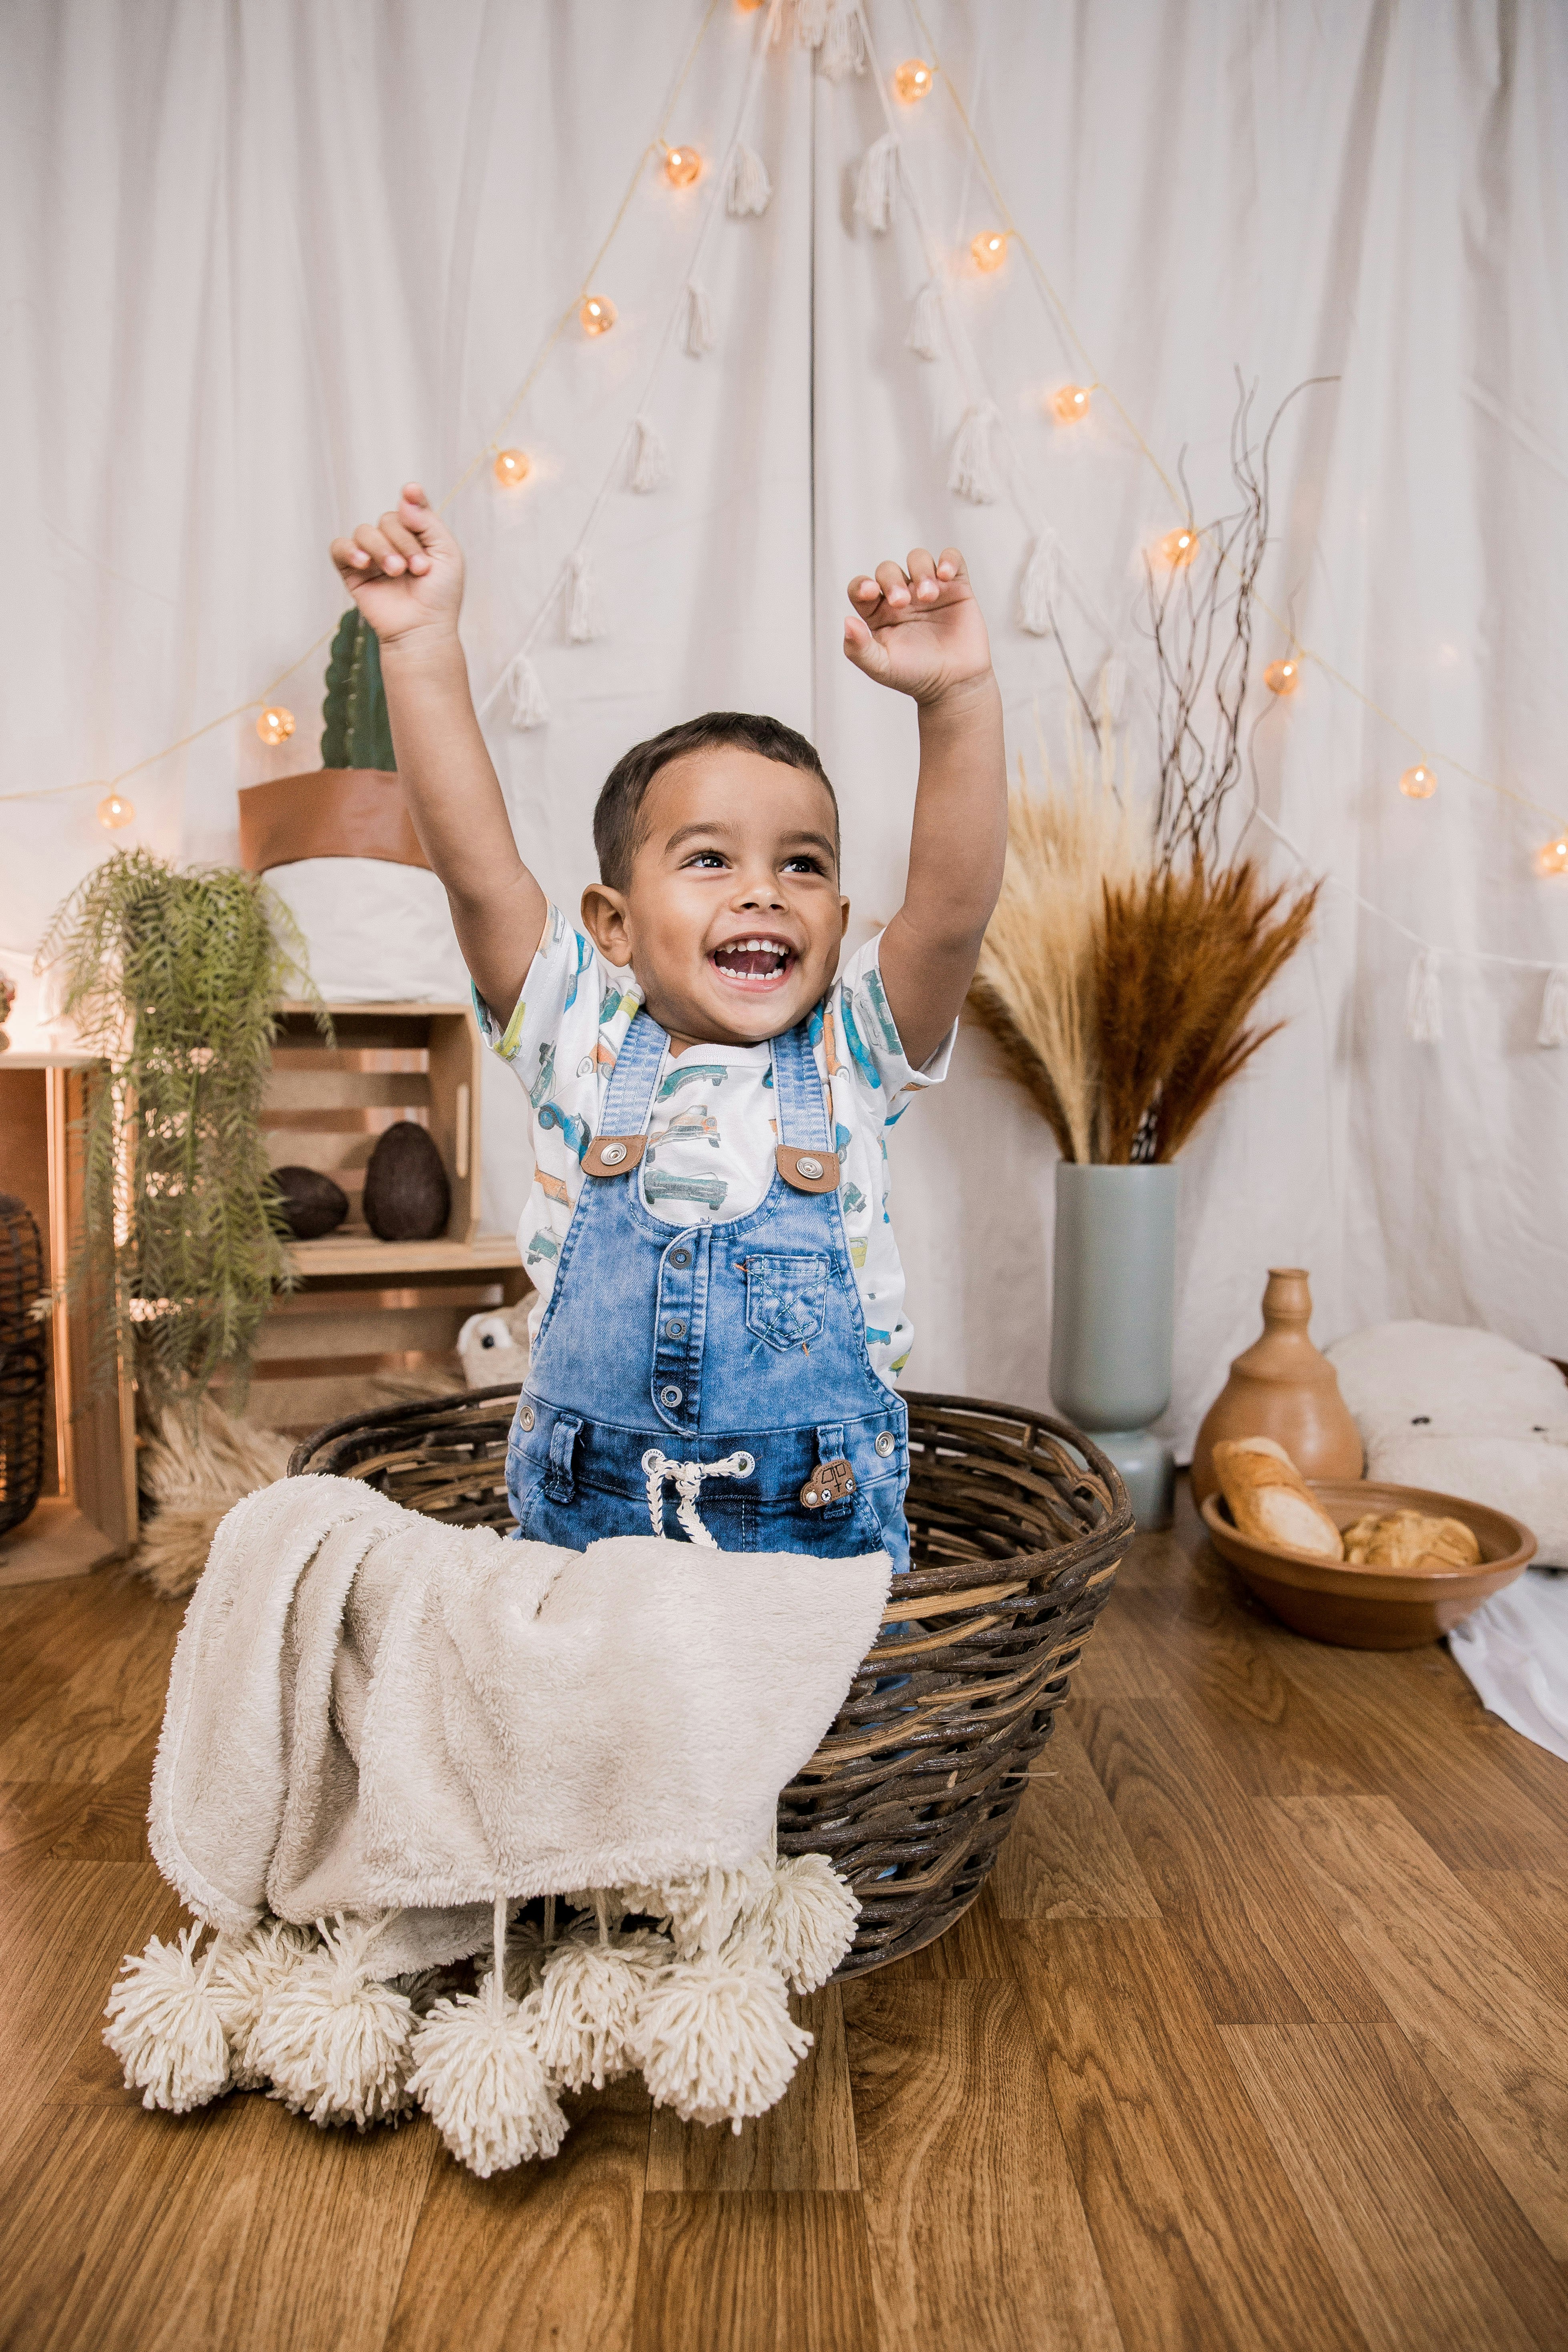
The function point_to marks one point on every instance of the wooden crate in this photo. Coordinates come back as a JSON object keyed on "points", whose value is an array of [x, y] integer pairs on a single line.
{"points": [[86, 1514], [369, 1310]]}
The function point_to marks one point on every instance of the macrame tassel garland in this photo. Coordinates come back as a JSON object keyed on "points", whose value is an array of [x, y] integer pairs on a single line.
{"points": [[715, 2038], [810, 21], [697, 335], [1424, 998], [333, 2041], [876, 184], [165, 2026], [524, 694], [478, 2075], [585, 613], [1553, 1029], [972, 473], [650, 459], [843, 48], [747, 186], [806, 1922], [1038, 589], [925, 323]]}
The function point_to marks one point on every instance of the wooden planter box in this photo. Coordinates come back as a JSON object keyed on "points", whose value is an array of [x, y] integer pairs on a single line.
{"points": [[86, 1514], [367, 1308]]}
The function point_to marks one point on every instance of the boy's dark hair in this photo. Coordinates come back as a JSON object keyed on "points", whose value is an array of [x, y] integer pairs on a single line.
{"points": [[617, 826]]}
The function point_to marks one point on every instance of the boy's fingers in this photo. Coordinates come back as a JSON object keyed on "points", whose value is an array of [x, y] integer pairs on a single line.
{"points": [[892, 581], [950, 565], [861, 648], [864, 591], [377, 546], [347, 556], [403, 540], [922, 575]]}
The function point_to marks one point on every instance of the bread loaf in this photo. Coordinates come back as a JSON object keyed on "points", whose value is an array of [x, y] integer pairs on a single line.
{"points": [[1270, 1501], [1405, 1538]]}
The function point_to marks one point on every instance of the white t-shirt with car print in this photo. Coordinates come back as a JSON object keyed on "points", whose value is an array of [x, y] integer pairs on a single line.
{"points": [[713, 1130]]}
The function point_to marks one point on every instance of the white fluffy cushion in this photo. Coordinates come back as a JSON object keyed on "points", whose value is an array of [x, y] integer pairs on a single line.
{"points": [[1464, 1413], [377, 932]]}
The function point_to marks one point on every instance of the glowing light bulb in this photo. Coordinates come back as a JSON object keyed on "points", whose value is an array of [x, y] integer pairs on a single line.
{"points": [[913, 79], [275, 724], [1418, 783], [748, 7], [1070, 403], [1282, 676], [597, 314], [681, 165], [113, 811], [510, 467], [1552, 858], [989, 248], [1179, 547]]}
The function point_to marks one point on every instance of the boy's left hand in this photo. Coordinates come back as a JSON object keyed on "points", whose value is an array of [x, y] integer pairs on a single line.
{"points": [[919, 630]]}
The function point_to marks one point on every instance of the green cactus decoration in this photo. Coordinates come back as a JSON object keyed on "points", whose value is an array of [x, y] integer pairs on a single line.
{"points": [[356, 730]]}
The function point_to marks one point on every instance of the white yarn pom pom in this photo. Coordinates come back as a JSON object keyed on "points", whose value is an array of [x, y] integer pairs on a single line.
{"points": [[972, 473], [697, 335], [525, 695], [479, 2076], [1424, 998], [650, 459], [1038, 589], [843, 48], [924, 338], [589, 2006], [1553, 1029], [331, 2041], [747, 188], [165, 2026], [877, 183], [806, 1922], [585, 613], [716, 2041], [242, 1970], [693, 1902]]}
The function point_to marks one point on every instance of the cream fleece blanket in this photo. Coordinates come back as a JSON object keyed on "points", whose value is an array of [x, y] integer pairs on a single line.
{"points": [[370, 1710]]}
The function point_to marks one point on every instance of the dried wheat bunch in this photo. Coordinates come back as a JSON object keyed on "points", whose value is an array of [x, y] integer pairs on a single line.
{"points": [[1035, 987]]}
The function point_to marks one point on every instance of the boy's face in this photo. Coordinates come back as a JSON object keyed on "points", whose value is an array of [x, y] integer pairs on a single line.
{"points": [[732, 918]]}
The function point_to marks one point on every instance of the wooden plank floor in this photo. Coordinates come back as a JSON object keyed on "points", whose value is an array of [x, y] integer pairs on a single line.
{"points": [[1257, 2038]]}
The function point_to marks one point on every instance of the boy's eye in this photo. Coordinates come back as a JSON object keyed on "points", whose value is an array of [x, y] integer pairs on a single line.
{"points": [[706, 858], [803, 863]]}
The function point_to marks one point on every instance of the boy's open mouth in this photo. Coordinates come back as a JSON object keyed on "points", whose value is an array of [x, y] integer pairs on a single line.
{"points": [[752, 963]]}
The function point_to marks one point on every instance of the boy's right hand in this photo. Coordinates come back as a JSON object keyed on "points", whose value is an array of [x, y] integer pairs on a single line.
{"points": [[406, 571]]}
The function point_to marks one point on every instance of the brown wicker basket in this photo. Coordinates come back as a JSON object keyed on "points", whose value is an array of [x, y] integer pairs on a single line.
{"points": [[1017, 1524]]}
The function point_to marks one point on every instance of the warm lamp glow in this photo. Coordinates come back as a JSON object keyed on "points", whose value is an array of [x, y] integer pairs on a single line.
{"points": [[597, 314], [113, 811], [511, 467], [1283, 677], [1179, 547], [912, 79], [989, 248], [1418, 783], [681, 165], [275, 724], [1552, 858], [748, 7], [1070, 403]]}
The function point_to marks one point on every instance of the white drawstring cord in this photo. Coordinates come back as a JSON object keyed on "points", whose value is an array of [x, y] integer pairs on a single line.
{"points": [[687, 1478]]}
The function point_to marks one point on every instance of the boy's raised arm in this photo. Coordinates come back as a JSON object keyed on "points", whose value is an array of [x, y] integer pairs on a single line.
{"points": [[405, 574], [920, 632]]}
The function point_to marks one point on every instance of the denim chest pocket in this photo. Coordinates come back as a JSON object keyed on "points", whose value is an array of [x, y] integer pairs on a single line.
{"points": [[787, 1297]]}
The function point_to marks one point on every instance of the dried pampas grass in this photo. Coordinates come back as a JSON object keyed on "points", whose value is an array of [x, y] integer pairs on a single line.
{"points": [[193, 1471]]}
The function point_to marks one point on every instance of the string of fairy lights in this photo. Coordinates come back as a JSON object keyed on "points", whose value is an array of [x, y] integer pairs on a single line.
{"points": [[839, 34]]}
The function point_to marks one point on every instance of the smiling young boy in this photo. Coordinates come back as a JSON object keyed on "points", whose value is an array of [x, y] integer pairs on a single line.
{"points": [[721, 1306]]}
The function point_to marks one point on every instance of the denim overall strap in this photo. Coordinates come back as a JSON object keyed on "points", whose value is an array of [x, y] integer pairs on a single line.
{"points": [[628, 1097], [802, 1114]]}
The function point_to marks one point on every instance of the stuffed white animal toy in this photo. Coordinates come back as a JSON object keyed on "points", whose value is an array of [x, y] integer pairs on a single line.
{"points": [[1464, 1413], [493, 1347]]}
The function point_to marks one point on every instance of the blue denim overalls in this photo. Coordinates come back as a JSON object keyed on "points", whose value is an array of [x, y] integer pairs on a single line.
{"points": [[718, 1367]]}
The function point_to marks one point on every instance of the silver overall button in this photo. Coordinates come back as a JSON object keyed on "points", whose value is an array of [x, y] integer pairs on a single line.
{"points": [[675, 1328], [525, 1416], [808, 1166], [680, 1257], [613, 1154], [670, 1397], [886, 1442]]}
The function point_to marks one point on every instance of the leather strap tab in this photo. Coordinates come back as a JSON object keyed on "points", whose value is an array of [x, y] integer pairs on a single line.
{"points": [[830, 1482], [808, 1170], [614, 1155]]}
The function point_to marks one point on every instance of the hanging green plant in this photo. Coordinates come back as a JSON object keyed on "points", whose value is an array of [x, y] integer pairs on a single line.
{"points": [[174, 977]]}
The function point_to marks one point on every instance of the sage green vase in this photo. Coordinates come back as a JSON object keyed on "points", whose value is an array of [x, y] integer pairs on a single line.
{"points": [[1114, 1311]]}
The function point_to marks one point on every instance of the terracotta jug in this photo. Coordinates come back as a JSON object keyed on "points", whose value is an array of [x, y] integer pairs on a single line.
{"points": [[1281, 1387]]}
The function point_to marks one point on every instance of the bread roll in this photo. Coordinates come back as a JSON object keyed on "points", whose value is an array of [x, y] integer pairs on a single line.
{"points": [[1405, 1538], [1269, 1499]]}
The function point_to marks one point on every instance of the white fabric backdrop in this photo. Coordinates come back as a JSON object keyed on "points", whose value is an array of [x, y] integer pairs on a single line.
{"points": [[263, 263]]}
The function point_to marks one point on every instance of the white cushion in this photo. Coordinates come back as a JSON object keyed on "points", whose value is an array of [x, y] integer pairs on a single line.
{"points": [[377, 933]]}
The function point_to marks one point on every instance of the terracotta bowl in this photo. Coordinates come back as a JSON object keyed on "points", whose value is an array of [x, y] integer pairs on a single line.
{"points": [[1374, 1608]]}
